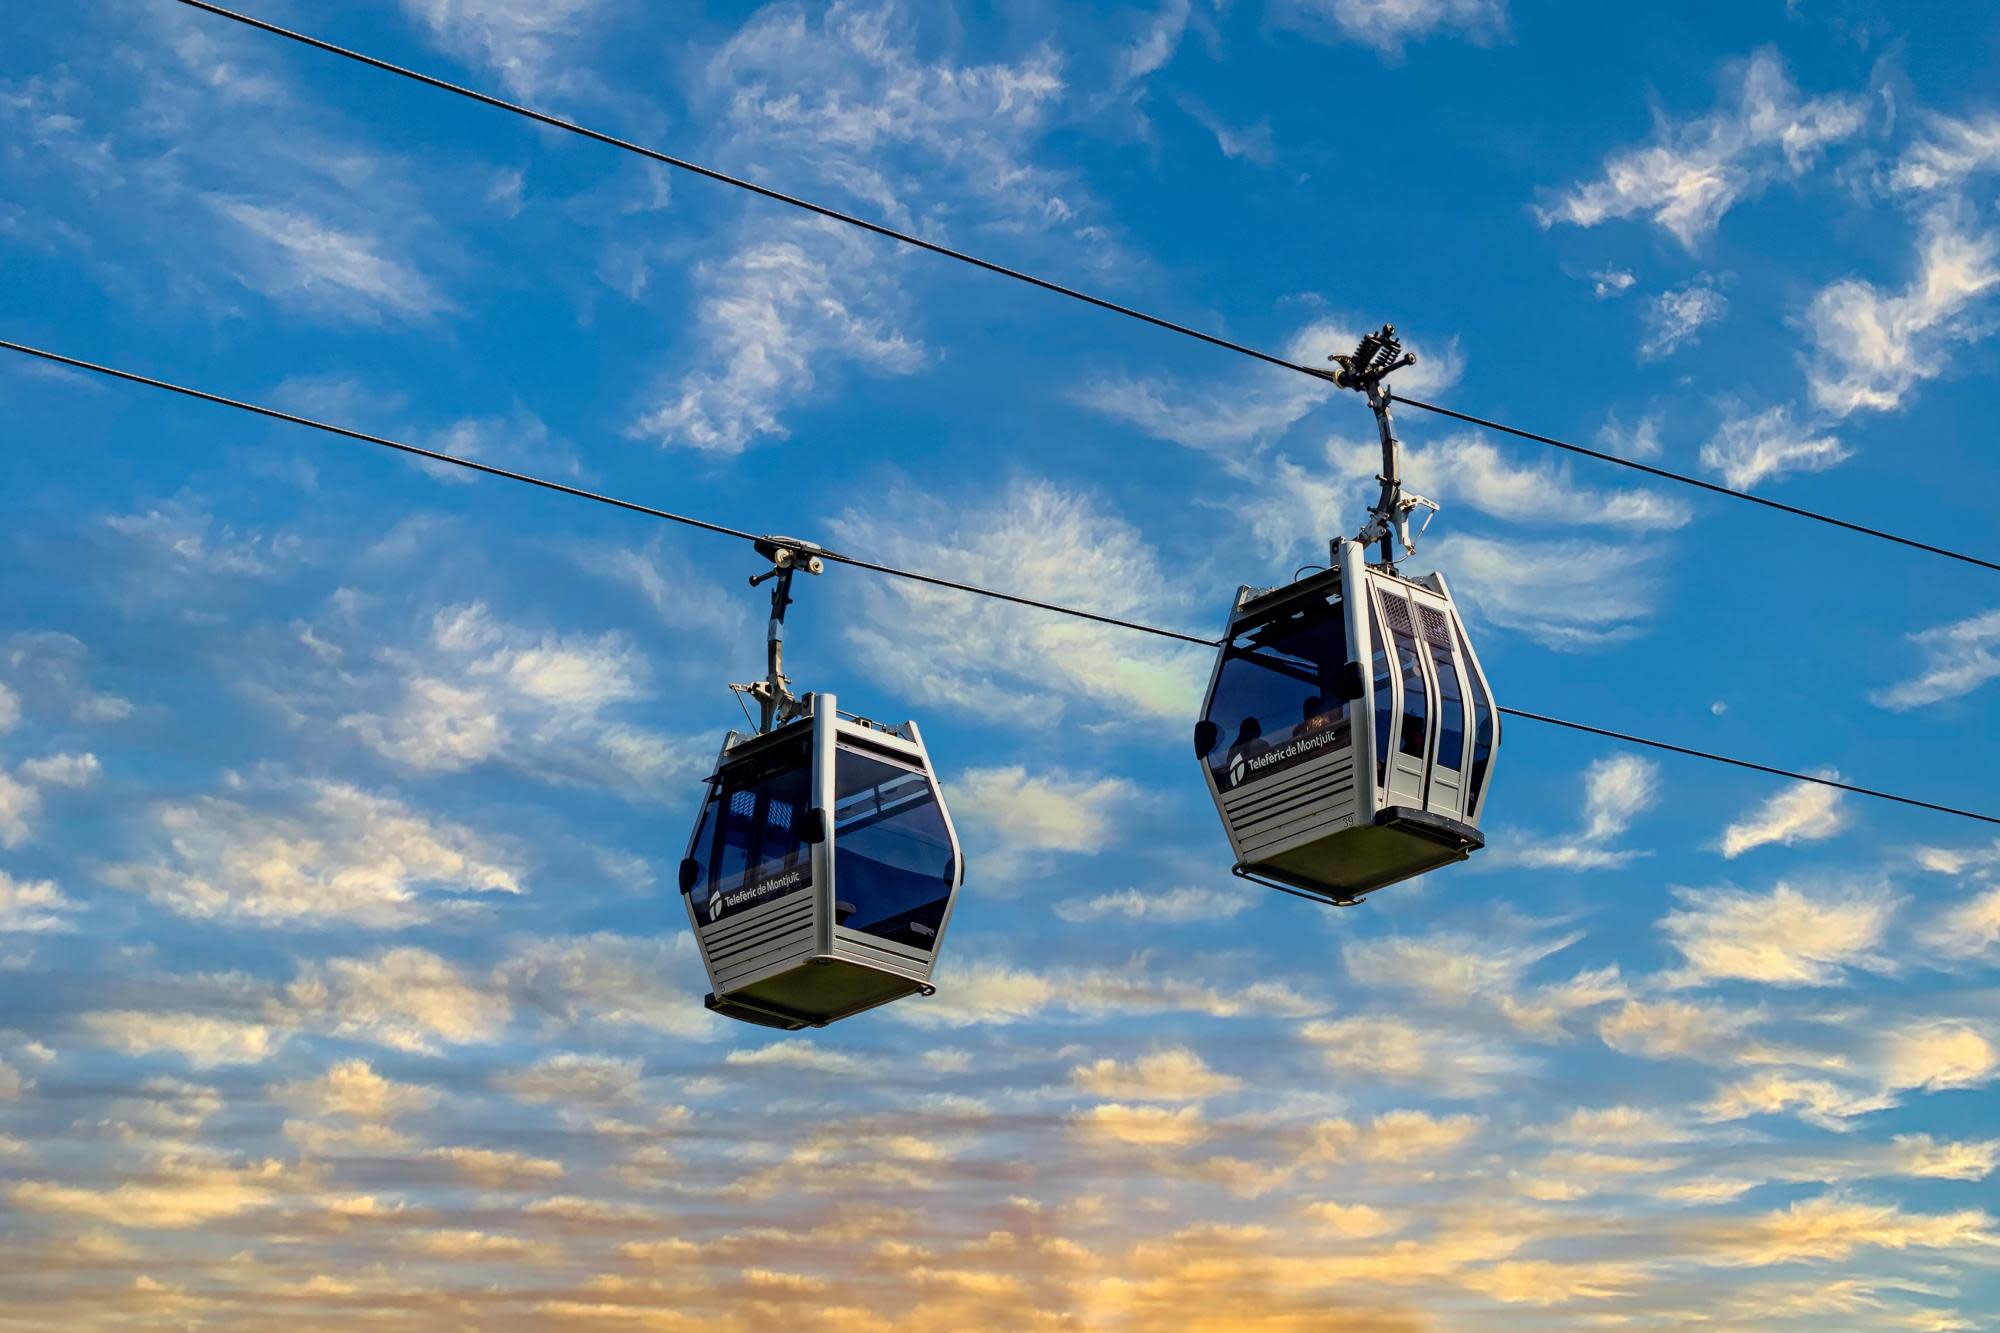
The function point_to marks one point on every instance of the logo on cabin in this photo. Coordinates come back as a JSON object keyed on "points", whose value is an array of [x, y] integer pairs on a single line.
{"points": [[1236, 767]]}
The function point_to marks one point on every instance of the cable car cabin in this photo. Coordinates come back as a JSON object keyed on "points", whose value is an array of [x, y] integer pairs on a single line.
{"points": [[1349, 733], [822, 870]]}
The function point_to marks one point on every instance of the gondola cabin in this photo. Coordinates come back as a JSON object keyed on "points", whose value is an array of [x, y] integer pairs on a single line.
{"points": [[822, 870], [1348, 735]]}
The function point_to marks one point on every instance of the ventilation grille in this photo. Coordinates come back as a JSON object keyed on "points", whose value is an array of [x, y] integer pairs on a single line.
{"points": [[1436, 628]]}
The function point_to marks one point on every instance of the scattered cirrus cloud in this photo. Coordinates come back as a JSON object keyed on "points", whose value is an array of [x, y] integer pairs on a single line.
{"points": [[528, 43], [1959, 657], [1950, 154], [289, 853], [1014, 663], [1694, 171], [1013, 817], [1870, 347], [1787, 937], [1676, 317], [1391, 25], [1748, 448], [774, 316], [1802, 812], [1617, 790], [844, 105], [1570, 595]]}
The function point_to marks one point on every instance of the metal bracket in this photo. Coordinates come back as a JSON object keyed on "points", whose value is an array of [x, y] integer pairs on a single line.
{"points": [[1319, 898], [776, 703], [1376, 357]]}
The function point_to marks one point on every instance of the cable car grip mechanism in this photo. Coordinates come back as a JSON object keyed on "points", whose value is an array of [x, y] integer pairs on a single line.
{"points": [[776, 703], [1366, 370]]}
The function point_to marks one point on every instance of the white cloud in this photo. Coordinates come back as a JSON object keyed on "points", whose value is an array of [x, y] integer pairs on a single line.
{"points": [[838, 101], [1673, 1029], [1617, 789], [1141, 1126], [1967, 930], [1171, 906], [498, 1169], [1745, 449], [1156, 42], [568, 1078], [1803, 812], [796, 1054], [1696, 171], [1389, 25], [1820, 1101], [33, 907], [994, 660], [1175, 1074], [1677, 315], [526, 42], [1781, 938], [352, 1089], [841, 94], [330, 853], [772, 316], [483, 690], [1960, 657], [1870, 348], [302, 260], [1011, 816], [1925, 1056], [205, 1040], [406, 998], [1641, 439], [10, 710], [174, 1192], [1448, 1061], [21, 792], [1954, 151], [1568, 595], [1937, 1055], [1611, 282]]}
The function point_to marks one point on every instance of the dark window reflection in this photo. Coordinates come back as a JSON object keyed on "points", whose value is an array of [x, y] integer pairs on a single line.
{"points": [[892, 857], [750, 832], [1279, 682]]}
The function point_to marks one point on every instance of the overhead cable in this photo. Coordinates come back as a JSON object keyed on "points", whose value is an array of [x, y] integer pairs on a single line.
{"points": [[566, 125], [741, 534]]}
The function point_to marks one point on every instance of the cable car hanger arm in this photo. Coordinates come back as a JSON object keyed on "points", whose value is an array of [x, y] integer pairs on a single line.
{"points": [[630, 506]]}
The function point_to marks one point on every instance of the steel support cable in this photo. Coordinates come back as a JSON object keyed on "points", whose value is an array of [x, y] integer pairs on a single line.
{"points": [[630, 506], [905, 238]]}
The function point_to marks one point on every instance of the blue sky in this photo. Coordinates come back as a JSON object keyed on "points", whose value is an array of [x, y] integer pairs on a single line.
{"points": [[341, 968]]}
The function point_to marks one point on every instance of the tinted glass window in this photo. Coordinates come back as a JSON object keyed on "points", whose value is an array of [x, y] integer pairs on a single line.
{"points": [[1451, 699], [749, 848], [1385, 698], [1415, 703], [1484, 723], [1278, 685], [892, 859]]}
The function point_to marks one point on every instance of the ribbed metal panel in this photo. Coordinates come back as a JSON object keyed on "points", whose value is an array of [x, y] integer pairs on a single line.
{"points": [[1299, 805], [885, 954], [740, 948]]}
